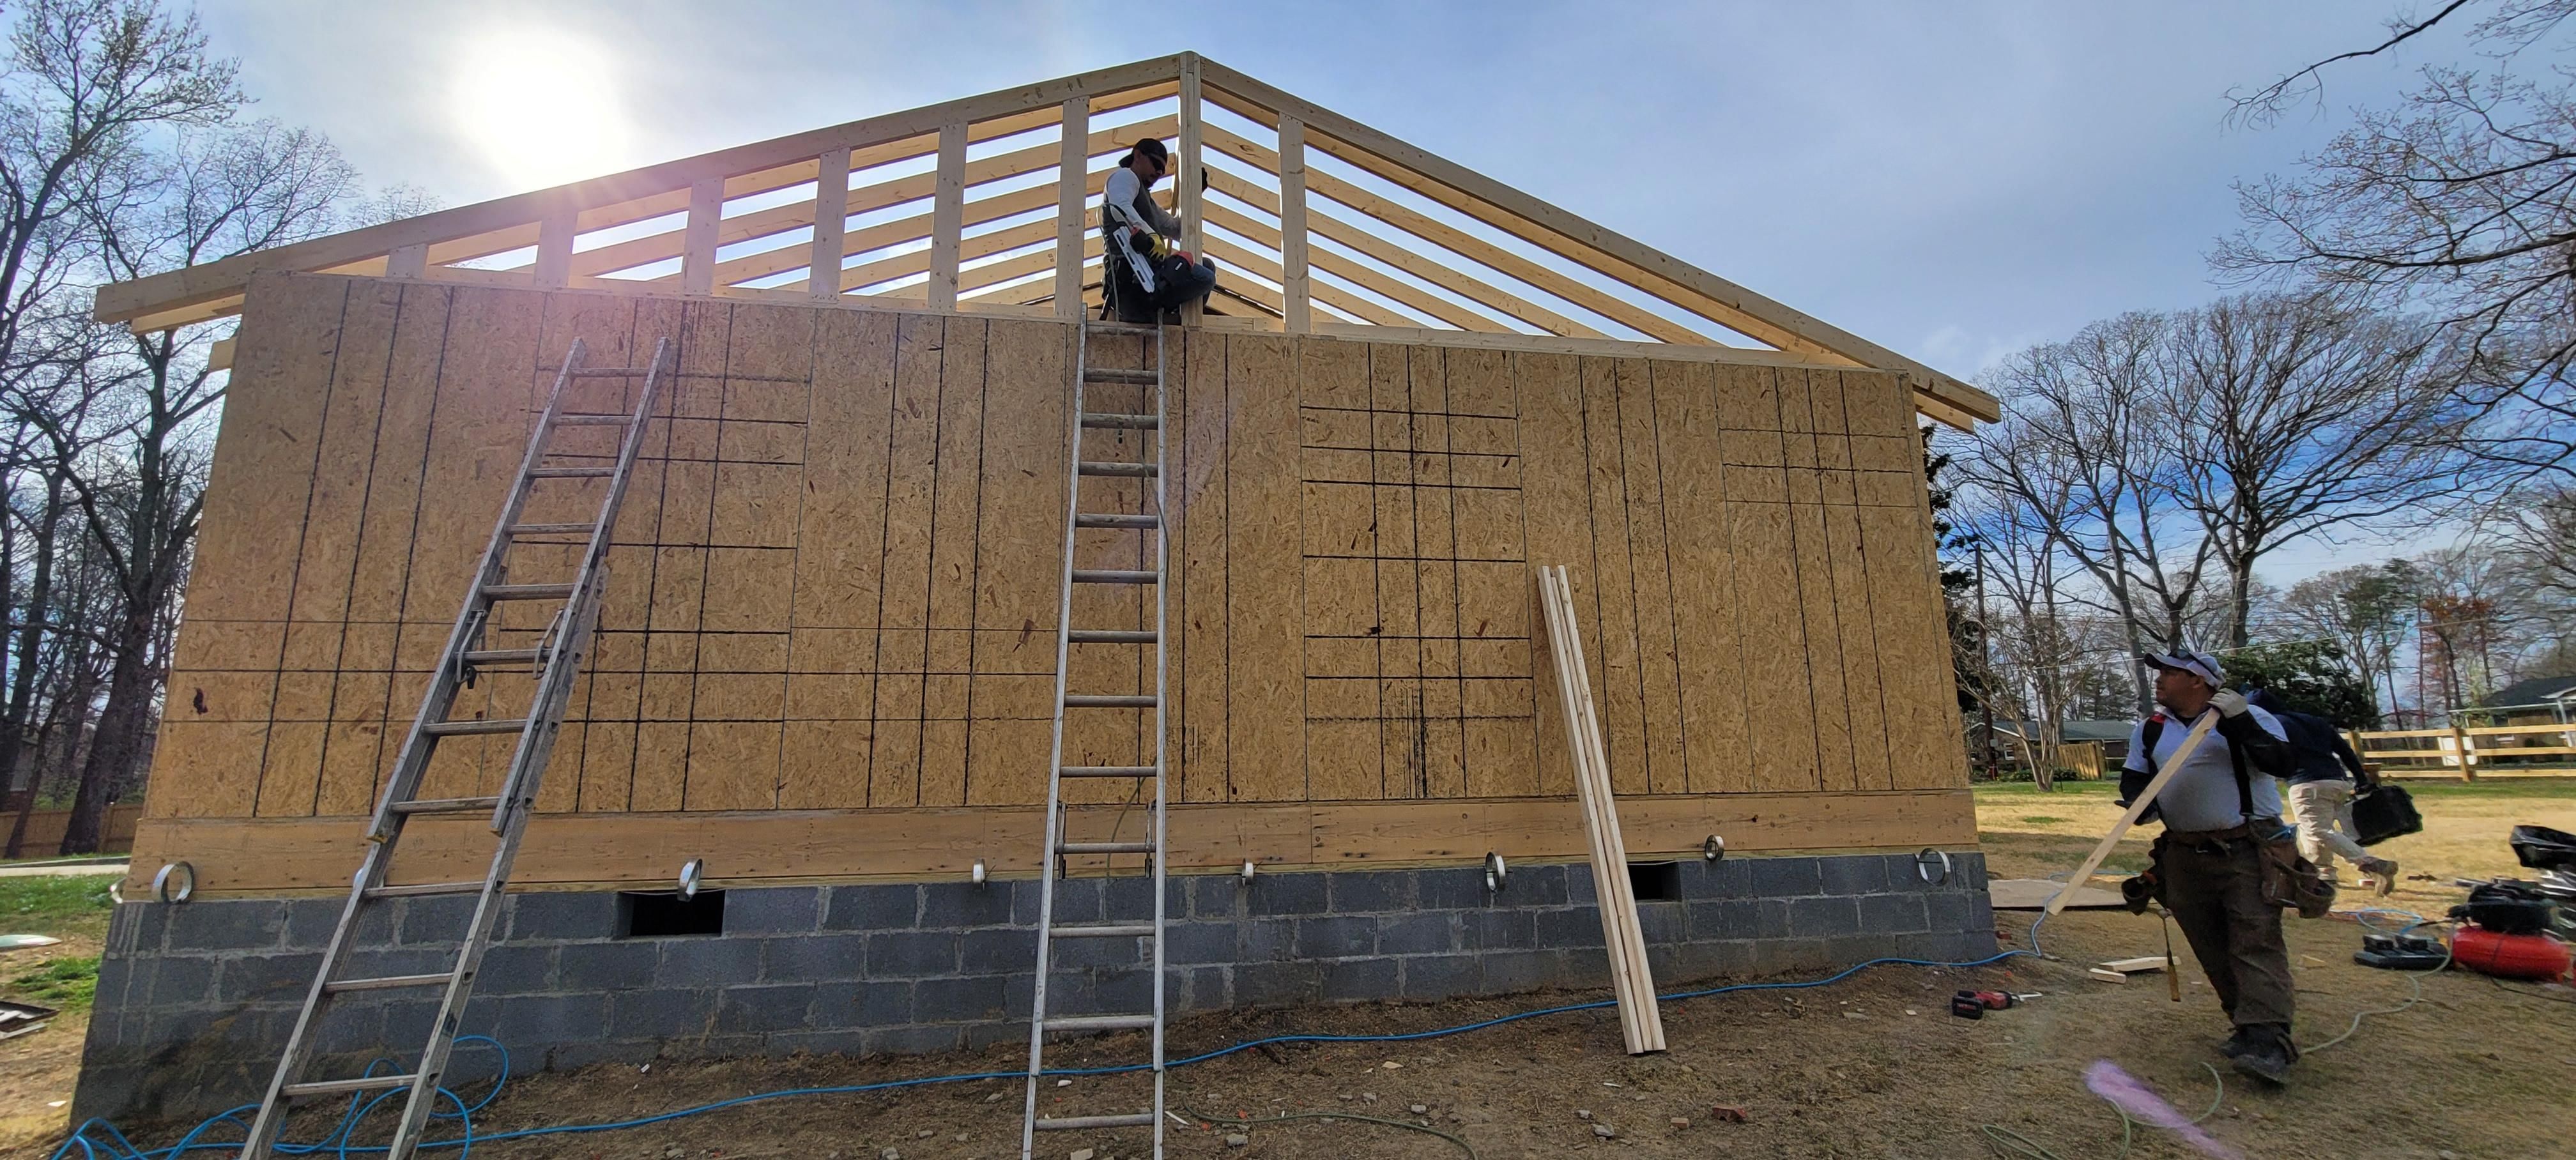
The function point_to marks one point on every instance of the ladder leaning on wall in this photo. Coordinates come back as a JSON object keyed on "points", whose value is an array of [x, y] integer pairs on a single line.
{"points": [[554, 658], [1058, 844]]}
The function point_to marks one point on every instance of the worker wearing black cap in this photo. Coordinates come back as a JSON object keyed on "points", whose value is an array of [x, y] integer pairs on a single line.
{"points": [[1145, 275]]}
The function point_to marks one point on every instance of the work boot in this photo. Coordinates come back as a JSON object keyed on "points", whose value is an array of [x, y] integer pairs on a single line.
{"points": [[2383, 871], [2266, 1055], [2236, 1044]]}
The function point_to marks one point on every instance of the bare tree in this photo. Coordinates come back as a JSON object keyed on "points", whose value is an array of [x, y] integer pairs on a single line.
{"points": [[218, 193], [2295, 415], [2080, 450], [2461, 203]]}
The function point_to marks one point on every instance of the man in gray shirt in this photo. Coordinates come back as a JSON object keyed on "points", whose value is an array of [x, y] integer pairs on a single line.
{"points": [[1143, 276], [2217, 810]]}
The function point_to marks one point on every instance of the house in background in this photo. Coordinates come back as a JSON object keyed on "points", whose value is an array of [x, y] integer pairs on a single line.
{"points": [[2536, 701]]}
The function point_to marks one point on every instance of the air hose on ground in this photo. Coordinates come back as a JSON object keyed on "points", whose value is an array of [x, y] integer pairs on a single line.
{"points": [[111, 1144]]}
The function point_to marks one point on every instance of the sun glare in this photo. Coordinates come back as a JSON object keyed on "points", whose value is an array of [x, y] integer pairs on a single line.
{"points": [[542, 106]]}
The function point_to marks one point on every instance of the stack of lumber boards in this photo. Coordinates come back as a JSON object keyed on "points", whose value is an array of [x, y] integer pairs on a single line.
{"points": [[1640, 1022]]}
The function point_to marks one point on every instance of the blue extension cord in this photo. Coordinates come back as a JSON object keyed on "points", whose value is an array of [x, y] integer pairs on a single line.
{"points": [[338, 1141]]}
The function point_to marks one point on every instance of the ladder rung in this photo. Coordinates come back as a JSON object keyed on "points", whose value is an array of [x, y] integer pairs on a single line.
{"points": [[501, 656], [336, 1087], [386, 983], [1119, 375], [1097, 327], [1125, 470], [1114, 576], [571, 472], [527, 591], [1110, 635], [610, 372], [552, 529], [1099, 1022], [1125, 422], [466, 728], [593, 419], [448, 805], [1108, 700], [1104, 930], [1076, 1123], [1107, 771], [1115, 520], [1105, 848], [426, 888]]}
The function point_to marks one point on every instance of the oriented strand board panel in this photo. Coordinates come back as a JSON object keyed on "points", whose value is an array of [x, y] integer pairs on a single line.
{"points": [[834, 585]]}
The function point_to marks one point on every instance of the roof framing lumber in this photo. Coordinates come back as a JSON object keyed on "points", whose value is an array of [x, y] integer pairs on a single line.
{"points": [[192, 285], [1595, 246], [1403, 239]]}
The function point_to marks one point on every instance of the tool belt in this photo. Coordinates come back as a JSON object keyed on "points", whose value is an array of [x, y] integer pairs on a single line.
{"points": [[2289, 881]]}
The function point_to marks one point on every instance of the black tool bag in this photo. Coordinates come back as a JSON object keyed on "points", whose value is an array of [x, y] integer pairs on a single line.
{"points": [[2384, 811]]}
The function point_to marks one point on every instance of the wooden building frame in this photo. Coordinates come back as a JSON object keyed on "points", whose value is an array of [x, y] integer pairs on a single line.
{"points": [[964, 206]]}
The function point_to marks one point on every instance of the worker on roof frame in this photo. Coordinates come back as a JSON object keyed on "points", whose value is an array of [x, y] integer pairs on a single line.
{"points": [[1145, 276]]}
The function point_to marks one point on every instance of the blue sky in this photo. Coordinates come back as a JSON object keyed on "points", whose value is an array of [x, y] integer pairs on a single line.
{"points": [[1954, 180]]}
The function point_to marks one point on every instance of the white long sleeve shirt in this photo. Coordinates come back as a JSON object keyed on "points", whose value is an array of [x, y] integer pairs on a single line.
{"points": [[1127, 204]]}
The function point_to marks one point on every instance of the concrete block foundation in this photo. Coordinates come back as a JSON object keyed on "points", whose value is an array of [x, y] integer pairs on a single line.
{"points": [[195, 1000]]}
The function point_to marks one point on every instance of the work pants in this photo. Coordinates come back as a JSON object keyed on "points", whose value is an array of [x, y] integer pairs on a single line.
{"points": [[2325, 823], [2215, 889]]}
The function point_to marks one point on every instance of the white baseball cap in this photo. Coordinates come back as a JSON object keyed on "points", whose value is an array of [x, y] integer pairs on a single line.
{"points": [[2198, 664]]}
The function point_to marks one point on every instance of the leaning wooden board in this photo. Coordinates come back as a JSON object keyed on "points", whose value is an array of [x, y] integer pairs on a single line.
{"points": [[1640, 1021]]}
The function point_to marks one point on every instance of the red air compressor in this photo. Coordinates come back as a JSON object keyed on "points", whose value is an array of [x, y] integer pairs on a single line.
{"points": [[2509, 956]]}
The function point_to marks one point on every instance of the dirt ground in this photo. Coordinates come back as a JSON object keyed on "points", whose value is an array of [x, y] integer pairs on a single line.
{"points": [[1870, 1067]]}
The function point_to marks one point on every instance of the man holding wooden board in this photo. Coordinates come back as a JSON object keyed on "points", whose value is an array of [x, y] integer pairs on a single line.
{"points": [[2218, 808]]}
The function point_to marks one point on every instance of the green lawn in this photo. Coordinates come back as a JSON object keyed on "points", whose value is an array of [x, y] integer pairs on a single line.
{"points": [[39, 904], [68, 983]]}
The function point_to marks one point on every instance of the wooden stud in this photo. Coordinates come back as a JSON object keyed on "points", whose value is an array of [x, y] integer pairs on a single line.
{"points": [[1072, 184], [554, 249], [948, 217], [1595, 246], [831, 223], [1630, 975], [2146, 797], [196, 284], [698, 247], [1298, 313], [1189, 173]]}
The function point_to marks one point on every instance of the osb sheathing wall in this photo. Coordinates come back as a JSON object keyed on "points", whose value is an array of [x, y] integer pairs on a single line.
{"points": [[834, 581]]}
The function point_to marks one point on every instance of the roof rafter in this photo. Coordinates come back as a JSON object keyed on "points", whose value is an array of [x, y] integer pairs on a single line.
{"points": [[1372, 257]]}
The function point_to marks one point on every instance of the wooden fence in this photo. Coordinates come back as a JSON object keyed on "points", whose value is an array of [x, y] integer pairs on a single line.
{"points": [[45, 830], [2470, 752]]}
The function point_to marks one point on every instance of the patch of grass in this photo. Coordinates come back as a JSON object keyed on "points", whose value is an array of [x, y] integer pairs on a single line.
{"points": [[51, 898], [2015, 790], [69, 983], [2041, 819]]}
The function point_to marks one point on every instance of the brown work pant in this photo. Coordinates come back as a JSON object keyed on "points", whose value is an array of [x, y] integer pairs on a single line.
{"points": [[2216, 892]]}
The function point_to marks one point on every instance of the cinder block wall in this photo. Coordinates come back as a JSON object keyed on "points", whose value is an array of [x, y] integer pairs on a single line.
{"points": [[195, 1000]]}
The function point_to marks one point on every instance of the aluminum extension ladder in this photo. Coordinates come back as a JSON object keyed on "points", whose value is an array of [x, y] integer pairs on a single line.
{"points": [[1057, 844], [556, 657]]}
